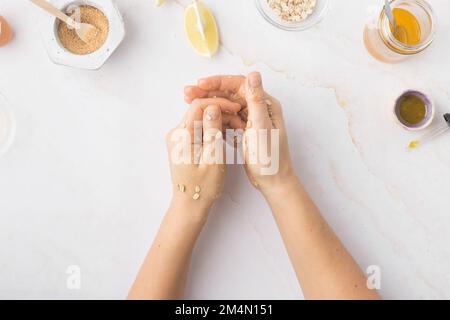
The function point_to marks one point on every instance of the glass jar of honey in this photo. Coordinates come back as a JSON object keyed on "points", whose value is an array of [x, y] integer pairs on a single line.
{"points": [[414, 31]]}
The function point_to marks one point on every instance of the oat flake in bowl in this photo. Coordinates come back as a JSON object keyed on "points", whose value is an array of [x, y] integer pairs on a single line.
{"points": [[293, 15], [292, 10]]}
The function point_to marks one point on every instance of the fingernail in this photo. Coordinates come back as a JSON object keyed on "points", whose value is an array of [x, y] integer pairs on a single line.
{"points": [[254, 80], [212, 113]]}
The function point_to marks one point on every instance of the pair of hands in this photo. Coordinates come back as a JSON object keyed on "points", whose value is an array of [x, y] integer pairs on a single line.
{"points": [[219, 103]]}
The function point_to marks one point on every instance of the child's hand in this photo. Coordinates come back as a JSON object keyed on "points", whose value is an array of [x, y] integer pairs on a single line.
{"points": [[260, 111], [197, 167]]}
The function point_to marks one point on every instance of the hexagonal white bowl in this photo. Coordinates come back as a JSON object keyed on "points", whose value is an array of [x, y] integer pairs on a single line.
{"points": [[59, 55]]}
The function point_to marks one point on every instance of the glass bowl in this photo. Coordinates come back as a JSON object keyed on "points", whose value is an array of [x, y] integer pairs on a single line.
{"points": [[319, 13]]}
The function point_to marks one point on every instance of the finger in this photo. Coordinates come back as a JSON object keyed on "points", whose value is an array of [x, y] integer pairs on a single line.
{"points": [[192, 122], [244, 114], [212, 118], [193, 92], [275, 112], [257, 107], [224, 104], [231, 121], [234, 84], [212, 131]]}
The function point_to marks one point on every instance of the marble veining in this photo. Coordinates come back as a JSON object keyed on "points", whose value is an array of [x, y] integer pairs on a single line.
{"points": [[86, 181]]}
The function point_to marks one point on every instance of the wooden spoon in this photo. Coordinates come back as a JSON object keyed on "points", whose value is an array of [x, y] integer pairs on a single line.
{"points": [[83, 30], [390, 15]]}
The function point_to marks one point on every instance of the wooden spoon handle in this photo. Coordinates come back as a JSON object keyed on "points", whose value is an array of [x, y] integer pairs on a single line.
{"points": [[47, 6]]}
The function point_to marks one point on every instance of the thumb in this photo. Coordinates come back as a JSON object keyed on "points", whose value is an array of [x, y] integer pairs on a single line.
{"points": [[258, 113]]}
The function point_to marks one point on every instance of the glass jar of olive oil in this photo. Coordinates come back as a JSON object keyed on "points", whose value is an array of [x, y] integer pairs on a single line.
{"points": [[414, 31]]}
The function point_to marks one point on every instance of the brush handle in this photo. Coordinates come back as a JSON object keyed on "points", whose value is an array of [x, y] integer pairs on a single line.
{"points": [[47, 6], [435, 133]]}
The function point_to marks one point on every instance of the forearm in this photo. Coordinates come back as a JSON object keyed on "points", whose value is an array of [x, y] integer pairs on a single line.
{"points": [[163, 273], [323, 266]]}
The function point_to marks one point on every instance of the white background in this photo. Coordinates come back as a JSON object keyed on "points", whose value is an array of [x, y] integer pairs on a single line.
{"points": [[86, 181]]}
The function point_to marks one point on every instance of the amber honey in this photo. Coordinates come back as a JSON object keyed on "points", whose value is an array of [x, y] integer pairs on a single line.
{"points": [[414, 31], [407, 29]]}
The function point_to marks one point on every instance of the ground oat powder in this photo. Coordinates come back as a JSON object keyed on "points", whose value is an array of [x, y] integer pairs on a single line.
{"points": [[70, 40]]}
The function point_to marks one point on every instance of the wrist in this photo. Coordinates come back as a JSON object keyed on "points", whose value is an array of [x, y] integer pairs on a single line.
{"points": [[194, 210], [281, 188], [285, 178]]}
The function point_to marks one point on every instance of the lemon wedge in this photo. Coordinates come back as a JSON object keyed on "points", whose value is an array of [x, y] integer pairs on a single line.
{"points": [[201, 29]]}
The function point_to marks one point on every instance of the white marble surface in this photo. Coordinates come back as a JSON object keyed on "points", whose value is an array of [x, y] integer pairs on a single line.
{"points": [[86, 181]]}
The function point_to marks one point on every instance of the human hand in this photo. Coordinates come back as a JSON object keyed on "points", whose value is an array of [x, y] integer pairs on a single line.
{"points": [[261, 112], [196, 153]]}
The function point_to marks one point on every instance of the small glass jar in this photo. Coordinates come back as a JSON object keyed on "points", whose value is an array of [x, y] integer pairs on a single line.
{"points": [[381, 42], [320, 11]]}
